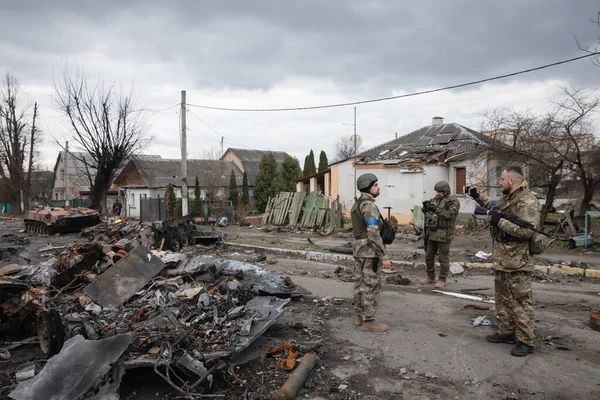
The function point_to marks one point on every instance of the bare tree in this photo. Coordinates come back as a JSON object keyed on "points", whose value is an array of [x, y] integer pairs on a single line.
{"points": [[19, 138], [572, 111], [595, 48], [106, 123], [534, 141], [343, 148]]}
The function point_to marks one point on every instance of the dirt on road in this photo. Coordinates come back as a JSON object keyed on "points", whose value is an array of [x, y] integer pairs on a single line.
{"points": [[432, 350]]}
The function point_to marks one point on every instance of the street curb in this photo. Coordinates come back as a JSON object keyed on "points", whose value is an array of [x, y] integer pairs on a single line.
{"points": [[336, 257]]}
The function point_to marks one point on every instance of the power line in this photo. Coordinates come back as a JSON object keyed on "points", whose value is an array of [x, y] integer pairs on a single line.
{"points": [[215, 131], [216, 140], [201, 120], [156, 111], [399, 96], [202, 134]]}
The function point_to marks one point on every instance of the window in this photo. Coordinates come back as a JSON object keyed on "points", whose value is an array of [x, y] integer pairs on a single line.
{"points": [[461, 180], [62, 174], [132, 199]]}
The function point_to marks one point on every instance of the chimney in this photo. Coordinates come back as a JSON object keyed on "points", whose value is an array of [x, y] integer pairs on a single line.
{"points": [[396, 135], [437, 121]]}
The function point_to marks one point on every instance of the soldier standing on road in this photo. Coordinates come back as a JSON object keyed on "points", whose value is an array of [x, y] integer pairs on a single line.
{"points": [[369, 252], [440, 218], [512, 260], [117, 206]]}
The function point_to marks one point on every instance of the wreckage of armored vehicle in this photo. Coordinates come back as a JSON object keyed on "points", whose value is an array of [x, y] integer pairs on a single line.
{"points": [[50, 220]]}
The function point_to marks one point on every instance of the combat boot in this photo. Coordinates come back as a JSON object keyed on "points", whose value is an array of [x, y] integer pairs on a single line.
{"points": [[440, 284], [498, 338], [427, 281], [522, 349], [373, 326], [358, 321]]}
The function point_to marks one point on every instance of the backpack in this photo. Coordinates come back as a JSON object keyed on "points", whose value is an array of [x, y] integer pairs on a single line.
{"points": [[387, 232]]}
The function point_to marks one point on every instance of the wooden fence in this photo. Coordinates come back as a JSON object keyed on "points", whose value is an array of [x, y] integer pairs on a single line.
{"points": [[298, 210]]}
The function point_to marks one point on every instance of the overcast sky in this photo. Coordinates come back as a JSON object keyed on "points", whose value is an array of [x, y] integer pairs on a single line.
{"points": [[265, 54]]}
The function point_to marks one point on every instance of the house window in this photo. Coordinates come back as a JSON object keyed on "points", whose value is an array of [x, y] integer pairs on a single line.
{"points": [[132, 199], [62, 174], [461, 180], [55, 195]]}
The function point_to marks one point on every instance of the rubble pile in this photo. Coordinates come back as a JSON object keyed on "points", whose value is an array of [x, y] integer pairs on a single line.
{"points": [[120, 294]]}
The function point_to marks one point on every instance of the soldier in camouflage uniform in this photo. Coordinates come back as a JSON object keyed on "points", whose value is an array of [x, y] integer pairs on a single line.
{"points": [[369, 254], [440, 218], [513, 261]]}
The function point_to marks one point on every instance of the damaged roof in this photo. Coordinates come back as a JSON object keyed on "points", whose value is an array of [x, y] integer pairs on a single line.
{"points": [[433, 143]]}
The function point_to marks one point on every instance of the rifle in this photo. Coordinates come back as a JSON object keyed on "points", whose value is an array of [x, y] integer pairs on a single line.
{"points": [[512, 218], [425, 236], [375, 264]]}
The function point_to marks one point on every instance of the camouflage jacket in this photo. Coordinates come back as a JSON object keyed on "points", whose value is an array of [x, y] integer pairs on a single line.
{"points": [[368, 218], [513, 254], [440, 223]]}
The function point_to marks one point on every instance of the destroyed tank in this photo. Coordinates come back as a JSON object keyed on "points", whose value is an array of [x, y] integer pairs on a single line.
{"points": [[50, 220]]}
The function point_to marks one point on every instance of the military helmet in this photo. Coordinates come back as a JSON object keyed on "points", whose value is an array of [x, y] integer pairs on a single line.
{"points": [[442, 186], [365, 180]]}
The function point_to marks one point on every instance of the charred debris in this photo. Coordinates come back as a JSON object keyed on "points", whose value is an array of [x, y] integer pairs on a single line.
{"points": [[130, 295]]}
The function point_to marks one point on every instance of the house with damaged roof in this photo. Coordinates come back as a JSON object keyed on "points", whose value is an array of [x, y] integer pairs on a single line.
{"points": [[141, 179], [409, 166]]}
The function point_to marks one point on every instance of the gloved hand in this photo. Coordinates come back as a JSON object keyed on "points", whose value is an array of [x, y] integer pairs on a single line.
{"points": [[496, 216], [428, 206], [473, 192]]}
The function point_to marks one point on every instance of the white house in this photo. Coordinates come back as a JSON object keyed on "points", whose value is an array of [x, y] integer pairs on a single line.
{"points": [[409, 166], [149, 179]]}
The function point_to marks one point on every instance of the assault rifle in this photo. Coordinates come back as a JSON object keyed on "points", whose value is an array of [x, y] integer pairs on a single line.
{"points": [[512, 218]]}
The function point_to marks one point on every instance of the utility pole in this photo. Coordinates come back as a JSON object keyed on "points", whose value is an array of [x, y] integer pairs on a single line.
{"points": [[222, 145], [67, 174], [184, 189]]}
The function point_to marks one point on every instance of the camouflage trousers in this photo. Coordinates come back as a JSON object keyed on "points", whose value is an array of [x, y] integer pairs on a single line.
{"points": [[514, 305], [442, 249], [366, 287]]}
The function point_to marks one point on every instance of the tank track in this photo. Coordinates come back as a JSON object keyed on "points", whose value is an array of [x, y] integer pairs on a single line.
{"points": [[38, 227]]}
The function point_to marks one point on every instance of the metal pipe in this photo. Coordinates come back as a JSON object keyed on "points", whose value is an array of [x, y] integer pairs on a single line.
{"points": [[294, 383]]}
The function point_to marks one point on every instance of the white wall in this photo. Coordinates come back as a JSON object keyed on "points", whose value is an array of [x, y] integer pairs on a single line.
{"points": [[131, 205], [346, 183], [432, 174], [478, 167], [400, 189]]}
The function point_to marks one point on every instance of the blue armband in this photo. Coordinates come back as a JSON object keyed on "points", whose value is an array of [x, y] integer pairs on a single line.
{"points": [[372, 221]]}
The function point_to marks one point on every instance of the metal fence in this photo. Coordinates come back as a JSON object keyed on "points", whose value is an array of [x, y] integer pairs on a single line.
{"points": [[155, 209]]}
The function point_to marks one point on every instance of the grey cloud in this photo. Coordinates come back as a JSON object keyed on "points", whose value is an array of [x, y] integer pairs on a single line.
{"points": [[257, 44]]}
